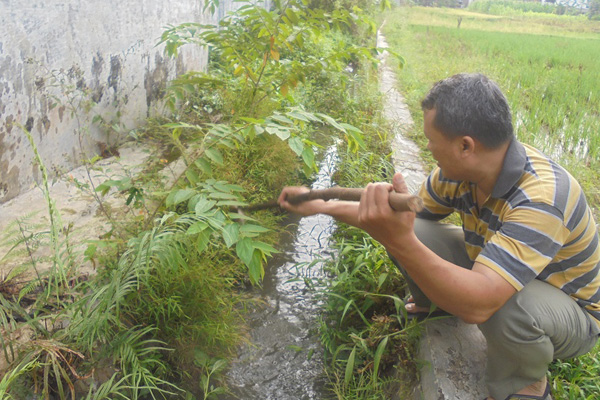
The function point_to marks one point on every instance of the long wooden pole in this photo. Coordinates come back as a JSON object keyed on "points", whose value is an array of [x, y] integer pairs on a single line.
{"points": [[398, 201]]}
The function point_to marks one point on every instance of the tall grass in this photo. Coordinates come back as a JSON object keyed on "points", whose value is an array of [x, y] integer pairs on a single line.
{"points": [[547, 66]]}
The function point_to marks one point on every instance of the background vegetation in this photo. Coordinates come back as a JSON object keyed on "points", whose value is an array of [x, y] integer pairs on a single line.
{"points": [[166, 306], [546, 66], [516, 7]]}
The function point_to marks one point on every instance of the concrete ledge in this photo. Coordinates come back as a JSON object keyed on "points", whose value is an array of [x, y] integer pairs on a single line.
{"points": [[454, 356]]}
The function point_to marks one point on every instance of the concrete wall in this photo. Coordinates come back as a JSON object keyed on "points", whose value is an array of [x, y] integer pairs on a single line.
{"points": [[63, 62]]}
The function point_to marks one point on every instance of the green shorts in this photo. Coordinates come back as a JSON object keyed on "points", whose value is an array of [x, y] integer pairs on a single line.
{"points": [[538, 324]]}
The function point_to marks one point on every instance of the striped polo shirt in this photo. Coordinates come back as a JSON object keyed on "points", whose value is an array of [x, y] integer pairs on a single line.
{"points": [[535, 224]]}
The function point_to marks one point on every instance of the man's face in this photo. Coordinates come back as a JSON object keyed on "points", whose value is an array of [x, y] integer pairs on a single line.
{"points": [[446, 151]]}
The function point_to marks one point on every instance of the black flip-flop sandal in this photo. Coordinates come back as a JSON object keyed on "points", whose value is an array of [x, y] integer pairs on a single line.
{"points": [[545, 396]]}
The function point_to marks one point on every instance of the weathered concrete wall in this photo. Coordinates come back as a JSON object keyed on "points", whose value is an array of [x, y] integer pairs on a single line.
{"points": [[62, 63]]}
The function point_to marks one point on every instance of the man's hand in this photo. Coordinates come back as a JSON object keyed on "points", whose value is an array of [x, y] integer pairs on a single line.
{"points": [[305, 208], [472, 295], [377, 218]]}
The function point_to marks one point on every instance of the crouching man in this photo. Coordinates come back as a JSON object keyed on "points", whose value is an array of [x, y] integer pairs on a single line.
{"points": [[525, 265]]}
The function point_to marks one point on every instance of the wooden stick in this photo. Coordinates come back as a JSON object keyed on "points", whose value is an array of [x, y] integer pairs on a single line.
{"points": [[398, 201]]}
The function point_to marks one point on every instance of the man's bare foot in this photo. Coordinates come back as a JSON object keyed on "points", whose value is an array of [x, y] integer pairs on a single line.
{"points": [[411, 307]]}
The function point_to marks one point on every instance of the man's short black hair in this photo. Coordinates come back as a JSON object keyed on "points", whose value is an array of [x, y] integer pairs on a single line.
{"points": [[470, 105]]}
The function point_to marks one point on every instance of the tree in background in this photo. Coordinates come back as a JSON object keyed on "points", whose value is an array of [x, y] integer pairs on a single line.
{"points": [[594, 11]]}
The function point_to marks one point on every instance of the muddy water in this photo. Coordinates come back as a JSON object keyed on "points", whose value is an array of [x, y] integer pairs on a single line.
{"points": [[284, 359]]}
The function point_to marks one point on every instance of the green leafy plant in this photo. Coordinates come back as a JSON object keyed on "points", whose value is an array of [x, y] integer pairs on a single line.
{"points": [[212, 200], [169, 281], [49, 358], [210, 366], [263, 51]]}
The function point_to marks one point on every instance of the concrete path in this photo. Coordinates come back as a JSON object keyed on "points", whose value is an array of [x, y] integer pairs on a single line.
{"points": [[405, 153], [454, 352], [80, 212]]}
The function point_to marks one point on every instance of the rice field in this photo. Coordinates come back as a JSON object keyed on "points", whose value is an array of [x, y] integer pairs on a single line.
{"points": [[547, 65]]}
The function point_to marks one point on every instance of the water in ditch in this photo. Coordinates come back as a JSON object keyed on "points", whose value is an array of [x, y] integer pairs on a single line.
{"points": [[283, 360]]}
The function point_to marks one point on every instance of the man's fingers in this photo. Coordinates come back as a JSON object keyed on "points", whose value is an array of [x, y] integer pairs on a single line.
{"points": [[399, 183], [282, 197], [374, 198], [363, 205], [382, 194], [290, 191]]}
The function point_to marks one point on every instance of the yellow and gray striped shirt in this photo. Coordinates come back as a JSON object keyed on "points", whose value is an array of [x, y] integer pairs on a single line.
{"points": [[535, 224]]}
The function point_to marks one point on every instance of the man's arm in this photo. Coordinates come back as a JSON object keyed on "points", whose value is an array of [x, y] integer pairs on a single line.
{"points": [[472, 295], [344, 211]]}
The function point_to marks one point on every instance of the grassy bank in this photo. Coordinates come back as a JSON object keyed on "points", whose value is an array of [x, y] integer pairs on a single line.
{"points": [[370, 344], [547, 67]]}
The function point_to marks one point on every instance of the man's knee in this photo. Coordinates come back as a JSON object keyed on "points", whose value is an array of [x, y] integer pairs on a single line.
{"points": [[541, 315], [513, 323]]}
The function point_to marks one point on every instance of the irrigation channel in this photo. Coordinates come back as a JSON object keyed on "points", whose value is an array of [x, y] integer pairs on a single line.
{"points": [[284, 359]]}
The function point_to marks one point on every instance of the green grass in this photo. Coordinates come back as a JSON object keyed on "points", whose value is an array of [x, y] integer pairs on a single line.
{"points": [[547, 65], [370, 346], [536, 24]]}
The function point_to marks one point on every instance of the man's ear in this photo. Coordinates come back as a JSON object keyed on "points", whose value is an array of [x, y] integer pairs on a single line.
{"points": [[467, 145]]}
